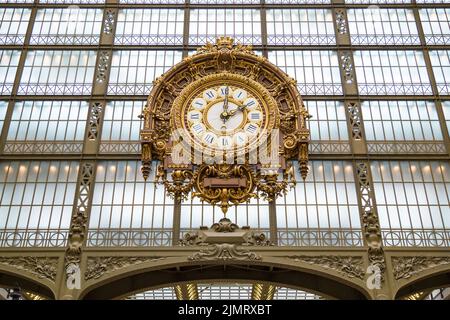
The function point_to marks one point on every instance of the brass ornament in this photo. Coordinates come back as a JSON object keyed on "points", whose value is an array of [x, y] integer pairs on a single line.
{"points": [[222, 182], [224, 185]]}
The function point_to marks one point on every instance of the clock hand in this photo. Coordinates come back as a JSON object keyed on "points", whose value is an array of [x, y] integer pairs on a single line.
{"points": [[224, 115], [233, 112]]}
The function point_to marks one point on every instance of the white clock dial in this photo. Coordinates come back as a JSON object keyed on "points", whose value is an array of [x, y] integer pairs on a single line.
{"points": [[251, 128], [225, 117], [198, 129], [216, 121], [223, 91], [225, 142], [209, 138], [255, 116], [240, 94], [251, 103], [210, 94], [199, 103], [240, 138], [194, 116]]}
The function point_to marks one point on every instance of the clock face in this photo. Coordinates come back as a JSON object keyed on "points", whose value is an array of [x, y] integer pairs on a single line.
{"points": [[224, 117]]}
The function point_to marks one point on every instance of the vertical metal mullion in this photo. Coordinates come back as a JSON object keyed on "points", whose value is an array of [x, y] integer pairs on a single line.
{"points": [[153, 212], [121, 205], [34, 192], [176, 221], [186, 24], [69, 165], [46, 121], [404, 190], [45, 189], [114, 182], [273, 221], [28, 121], [104, 182], [401, 119], [441, 169], [264, 37], [13, 191], [391, 125], [428, 163], [18, 76], [345, 182], [430, 72]]}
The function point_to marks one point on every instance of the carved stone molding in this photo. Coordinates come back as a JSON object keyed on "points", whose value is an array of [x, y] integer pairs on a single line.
{"points": [[224, 252], [225, 231], [42, 267], [98, 266], [352, 267], [406, 267]]}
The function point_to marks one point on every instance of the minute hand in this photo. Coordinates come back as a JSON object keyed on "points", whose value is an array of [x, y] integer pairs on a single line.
{"points": [[225, 114], [240, 108]]}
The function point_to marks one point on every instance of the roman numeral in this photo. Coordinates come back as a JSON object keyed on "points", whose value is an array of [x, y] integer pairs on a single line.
{"points": [[255, 116], [209, 94], [252, 128], [198, 128], [209, 138]]}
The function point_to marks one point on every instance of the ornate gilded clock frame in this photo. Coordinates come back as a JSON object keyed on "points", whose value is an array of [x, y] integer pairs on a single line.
{"points": [[220, 183]]}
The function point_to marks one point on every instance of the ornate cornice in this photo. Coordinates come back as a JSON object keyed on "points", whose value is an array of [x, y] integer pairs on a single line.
{"points": [[42, 267], [98, 266], [406, 267], [224, 252], [350, 266]]}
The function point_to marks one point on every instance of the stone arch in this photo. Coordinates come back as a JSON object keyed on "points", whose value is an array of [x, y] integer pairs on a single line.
{"points": [[437, 278], [309, 279], [227, 281], [10, 279]]}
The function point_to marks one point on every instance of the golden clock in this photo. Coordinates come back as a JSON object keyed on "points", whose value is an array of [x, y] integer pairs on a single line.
{"points": [[224, 103], [224, 113]]}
